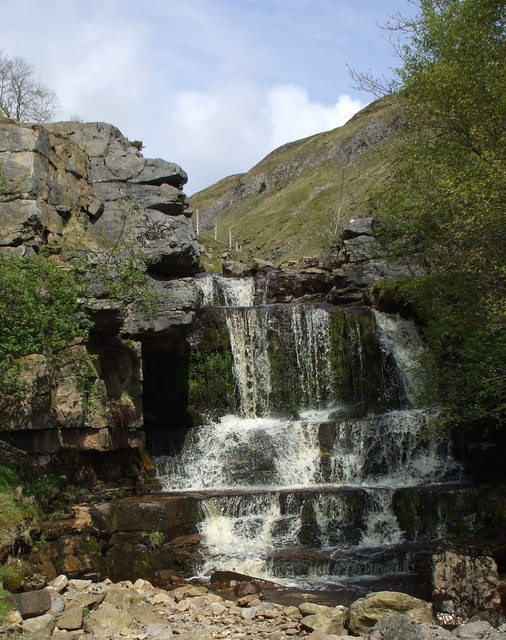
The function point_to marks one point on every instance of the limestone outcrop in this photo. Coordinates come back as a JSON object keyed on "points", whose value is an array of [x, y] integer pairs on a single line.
{"points": [[84, 189]]}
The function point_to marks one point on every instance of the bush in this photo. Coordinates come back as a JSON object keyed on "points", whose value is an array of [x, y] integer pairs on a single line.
{"points": [[39, 313]]}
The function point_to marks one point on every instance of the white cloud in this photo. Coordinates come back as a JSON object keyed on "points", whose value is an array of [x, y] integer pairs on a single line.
{"points": [[294, 116], [227, 130]]}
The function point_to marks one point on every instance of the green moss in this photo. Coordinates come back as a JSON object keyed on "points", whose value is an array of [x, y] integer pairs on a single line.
{"points": [[210, 379]]}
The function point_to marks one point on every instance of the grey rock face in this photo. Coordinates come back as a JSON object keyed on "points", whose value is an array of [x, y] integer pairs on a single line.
{"points": [[32, 603], [395, 627]]}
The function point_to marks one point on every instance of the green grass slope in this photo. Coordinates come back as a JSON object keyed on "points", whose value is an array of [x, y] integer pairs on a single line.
{"points": [[295, 201]]}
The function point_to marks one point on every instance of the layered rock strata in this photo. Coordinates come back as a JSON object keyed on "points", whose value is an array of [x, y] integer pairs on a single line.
{"points": [[85, 189]]}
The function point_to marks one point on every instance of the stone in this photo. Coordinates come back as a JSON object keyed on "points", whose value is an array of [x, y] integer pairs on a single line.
{"points": [[397, 627], [42, 625], [158, 631], [359, 227], [123, 598], [79, 585], [479, 630], [145, 614], [463, 586], [189, 591], [320, 635], [31, 603], [59, 583], [321, 622], [107, 620], [57, 604], [245, 588], [71, 619], [366, 612]]}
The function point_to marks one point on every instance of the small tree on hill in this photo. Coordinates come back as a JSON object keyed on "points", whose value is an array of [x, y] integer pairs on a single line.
{"points": [[22, 97]]}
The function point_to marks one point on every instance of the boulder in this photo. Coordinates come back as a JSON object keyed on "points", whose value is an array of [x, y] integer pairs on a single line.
{"points": [[359, 227], [463, 586], [123, 599], [43, 625], [107, 620], [31, 603], [321, 622], [480, 630], [71, 619], [366, 612]]}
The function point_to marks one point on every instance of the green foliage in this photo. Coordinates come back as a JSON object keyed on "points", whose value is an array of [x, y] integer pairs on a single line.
{"points": [[446, 197], [5, 607], [16, 512], [52, 493], [113, 267], [11, 576], [39, 313]]}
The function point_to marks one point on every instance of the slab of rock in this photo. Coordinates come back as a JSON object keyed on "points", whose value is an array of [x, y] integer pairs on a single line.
{"points": [[71, 619], [59, 583], [42, 625], [123, 598], [107, 620], [463, 586], [366, 612], [31, 603], [321, 622]]}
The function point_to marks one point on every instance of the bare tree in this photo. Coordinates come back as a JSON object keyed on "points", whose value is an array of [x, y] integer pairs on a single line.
{"points": [[22, 97]]}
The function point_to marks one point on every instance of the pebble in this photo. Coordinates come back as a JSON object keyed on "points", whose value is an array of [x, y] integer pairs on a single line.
{"points": [[189, 612]]}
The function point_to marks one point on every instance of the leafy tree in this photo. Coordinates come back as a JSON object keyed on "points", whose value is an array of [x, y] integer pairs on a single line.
{"points": [[22, 97], [446, 200]]}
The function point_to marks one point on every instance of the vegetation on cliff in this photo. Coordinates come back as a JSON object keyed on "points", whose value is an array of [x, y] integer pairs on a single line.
{"points": [[445, 197], [39, 313]]}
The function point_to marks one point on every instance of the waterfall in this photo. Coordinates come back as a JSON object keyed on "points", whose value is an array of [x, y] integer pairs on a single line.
{"points": [[247, 329], [303, 480], [311, 332]]}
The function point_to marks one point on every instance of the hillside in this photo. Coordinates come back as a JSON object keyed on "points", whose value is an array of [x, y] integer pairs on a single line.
{"points": [[295, 201]]}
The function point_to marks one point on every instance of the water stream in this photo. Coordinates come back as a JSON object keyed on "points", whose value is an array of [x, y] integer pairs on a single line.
{"points": [[311, 495]]}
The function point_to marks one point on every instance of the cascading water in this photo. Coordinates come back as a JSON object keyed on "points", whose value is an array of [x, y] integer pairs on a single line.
{"points": [[301, 482]]}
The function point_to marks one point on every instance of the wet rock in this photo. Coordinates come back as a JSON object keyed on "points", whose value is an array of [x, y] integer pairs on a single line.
{"points": [[463, 586], [366, 612]]}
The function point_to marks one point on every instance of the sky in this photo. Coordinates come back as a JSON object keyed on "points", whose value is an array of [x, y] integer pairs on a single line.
{"points": [[213, 85]]}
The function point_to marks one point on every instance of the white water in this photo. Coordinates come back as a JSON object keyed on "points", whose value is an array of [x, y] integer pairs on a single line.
{"points": [[312, 481], [311, 330], [400, 338]]}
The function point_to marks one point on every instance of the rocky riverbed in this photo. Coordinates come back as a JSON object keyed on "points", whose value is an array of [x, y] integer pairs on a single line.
{"points": [[78, 609]]}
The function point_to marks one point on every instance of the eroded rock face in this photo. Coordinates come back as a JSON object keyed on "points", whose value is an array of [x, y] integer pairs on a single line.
{"points": [[77, 186], [463, 587]]}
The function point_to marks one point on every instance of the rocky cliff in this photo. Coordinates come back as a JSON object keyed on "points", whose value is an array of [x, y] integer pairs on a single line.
{"points": [[84, 190]]}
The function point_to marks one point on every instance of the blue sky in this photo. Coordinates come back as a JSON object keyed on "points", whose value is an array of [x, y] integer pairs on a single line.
{"points": [[213, 85]]}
